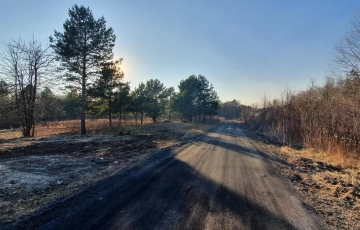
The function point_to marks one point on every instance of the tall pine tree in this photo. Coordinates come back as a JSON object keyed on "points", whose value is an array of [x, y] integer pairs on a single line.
{"points": [[83, 48]]}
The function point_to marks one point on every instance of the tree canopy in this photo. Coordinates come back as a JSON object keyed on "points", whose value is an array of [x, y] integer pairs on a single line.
{"points": [[105, 87], [157, 97], [196, 98]]}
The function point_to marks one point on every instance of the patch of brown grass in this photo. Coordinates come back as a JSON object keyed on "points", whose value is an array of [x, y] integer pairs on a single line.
{"points": [[329, 182], [348, 162], [335, 157], [93, 126], [103, 127], [10, 134]]}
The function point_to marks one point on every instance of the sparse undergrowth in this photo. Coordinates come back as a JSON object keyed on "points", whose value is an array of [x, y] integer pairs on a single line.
{"points": [[328, 184], [38, 171]]}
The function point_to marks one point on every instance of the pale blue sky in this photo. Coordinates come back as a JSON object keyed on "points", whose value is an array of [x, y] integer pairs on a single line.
{"points": [[245, 48]]}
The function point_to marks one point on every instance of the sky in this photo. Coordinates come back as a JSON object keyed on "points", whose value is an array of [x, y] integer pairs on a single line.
{"points": [[247, 49]]}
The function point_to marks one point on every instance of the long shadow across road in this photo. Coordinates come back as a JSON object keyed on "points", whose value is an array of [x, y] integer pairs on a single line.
{"points": [[170, 206]]}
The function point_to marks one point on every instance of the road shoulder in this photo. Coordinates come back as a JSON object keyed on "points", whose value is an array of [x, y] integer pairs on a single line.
{"points": [[321, 187]]}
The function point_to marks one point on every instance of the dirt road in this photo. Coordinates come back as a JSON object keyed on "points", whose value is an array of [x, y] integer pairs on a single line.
{"points": [[217, 182]]}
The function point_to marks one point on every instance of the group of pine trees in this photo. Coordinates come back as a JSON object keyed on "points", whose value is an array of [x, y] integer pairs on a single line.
{"points": [[82, 58], [151, 99], [196, 99]]}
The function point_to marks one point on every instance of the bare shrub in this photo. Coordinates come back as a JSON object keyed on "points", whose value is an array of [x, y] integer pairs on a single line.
{"points": [[326, 118]]}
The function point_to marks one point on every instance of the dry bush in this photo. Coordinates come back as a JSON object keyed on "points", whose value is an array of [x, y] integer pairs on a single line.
{"points": [[323, 118]]}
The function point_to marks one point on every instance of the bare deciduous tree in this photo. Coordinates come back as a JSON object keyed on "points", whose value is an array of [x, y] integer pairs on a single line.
{"points": [[347, 55], [23, 65]]}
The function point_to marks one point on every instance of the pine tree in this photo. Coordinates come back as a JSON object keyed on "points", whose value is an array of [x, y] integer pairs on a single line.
{"points": [[83, 48]]}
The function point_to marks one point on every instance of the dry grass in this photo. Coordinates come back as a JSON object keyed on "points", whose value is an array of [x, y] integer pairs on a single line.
{"points": [[10, 134], [336, 158], [102, 127], [328, 182], [347, 162], [94, 126]]}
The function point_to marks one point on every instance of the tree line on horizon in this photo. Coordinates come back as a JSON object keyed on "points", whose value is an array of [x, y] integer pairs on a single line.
{"points": [[81, 57], [231, 110]]}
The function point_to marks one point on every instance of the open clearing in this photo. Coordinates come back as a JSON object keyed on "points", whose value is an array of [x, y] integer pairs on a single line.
{"points": [[219, 181]]}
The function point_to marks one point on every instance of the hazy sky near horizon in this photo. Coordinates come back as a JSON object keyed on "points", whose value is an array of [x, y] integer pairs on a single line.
{"points": [[247, 49]]}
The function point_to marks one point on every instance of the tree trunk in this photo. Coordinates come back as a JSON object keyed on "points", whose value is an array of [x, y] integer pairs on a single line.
{"points": [[124, 115], [120, 117], [170, 109], [110, 110], [32, 103], [110, 119], [120, 108], [204, 114], [83, 99], [142, 116], [135, 116], [27, 113]]}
